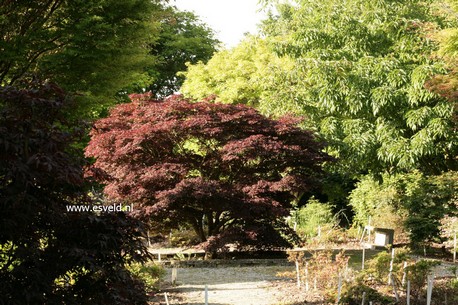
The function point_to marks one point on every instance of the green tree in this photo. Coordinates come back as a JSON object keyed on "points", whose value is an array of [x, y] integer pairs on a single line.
{"points": [[91, 47], [358, 73], [183, 39], [412, 200], [236, 75], [447, 84]]}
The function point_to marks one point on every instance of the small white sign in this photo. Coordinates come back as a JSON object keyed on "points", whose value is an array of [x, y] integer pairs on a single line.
{"points": [[381, 239]]}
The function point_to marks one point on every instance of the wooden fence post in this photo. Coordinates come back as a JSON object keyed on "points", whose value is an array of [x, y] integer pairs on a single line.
{"points": [[391, 267], [307, 276], [454, 248], [408, 293], [404, 274], [339, 288], [174, 275], [298, 275], [430, 289]]}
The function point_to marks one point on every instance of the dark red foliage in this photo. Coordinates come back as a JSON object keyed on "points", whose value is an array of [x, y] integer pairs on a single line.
{"points": [[213, 166], [40, 241]]}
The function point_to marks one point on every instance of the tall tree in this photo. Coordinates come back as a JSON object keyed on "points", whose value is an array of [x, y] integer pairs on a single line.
{"points": [[446, 84], [93, 47], [225, 170], [48, 255], [183, 39], [237, 75], [359, 73]]}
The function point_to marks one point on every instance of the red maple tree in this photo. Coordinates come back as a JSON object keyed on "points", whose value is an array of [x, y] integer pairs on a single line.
{"points": [[226, 170]]}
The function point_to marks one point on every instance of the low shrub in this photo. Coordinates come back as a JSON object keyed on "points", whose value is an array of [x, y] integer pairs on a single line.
{"points": [[353, 295], [150, 274]]}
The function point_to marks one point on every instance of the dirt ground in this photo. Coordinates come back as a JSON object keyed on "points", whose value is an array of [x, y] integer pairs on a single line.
{"points": [[242, 285], [247, 285]]}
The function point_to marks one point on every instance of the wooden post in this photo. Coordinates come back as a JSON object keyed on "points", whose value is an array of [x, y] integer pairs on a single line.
{"points": [[408, 293], [364, 258], [339, 289], [362, 236], [166, 298], [159, 257], [307, 276], [395, 290], [206, 295], [364, 298], [298, 275], [454, 248], [147, 236], [314, 284], [429, 292], [369, 231], [391, 267], [174, 276], [404, 274]]}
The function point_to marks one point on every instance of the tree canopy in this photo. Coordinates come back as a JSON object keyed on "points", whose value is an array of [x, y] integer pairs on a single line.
{"points": [[358, 73], [225, 170], [47, 254], [183, 39], [94, 47]]}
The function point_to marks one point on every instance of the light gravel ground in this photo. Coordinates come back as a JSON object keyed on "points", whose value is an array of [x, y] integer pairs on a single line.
{"points": [[251, 285], [247, 285]]}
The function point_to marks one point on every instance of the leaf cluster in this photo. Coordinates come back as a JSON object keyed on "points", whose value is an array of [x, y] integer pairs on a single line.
{"points": [[48, 255], [213, 166], [93, 47]]}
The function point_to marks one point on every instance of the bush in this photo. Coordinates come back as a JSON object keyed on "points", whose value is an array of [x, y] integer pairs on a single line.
{"points": [[315, 218], [353, 295], [417, 274], [150, 273], [323, 269], [379, 266], [379, 200]]}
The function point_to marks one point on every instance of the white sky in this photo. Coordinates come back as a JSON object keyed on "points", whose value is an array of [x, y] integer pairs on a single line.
{"points": [[230, 19]]}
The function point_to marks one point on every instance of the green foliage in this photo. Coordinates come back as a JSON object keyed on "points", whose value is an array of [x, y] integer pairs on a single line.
{"points": [[379, 266], [149, 273], [236, 75], [417, 274], [380, 201], [353, 294], [414, 200], [361, 68], [314, 216], [428, 200], [183, 40], [356, 69], [92, 47]]}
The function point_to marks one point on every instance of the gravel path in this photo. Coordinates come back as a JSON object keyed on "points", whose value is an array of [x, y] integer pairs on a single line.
{"points": [[251, 285]]}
